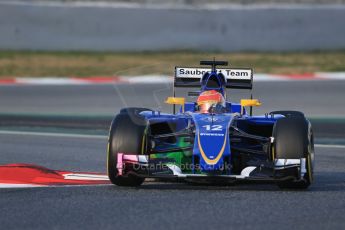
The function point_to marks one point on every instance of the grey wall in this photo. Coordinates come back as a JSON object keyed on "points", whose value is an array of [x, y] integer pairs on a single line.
{"points": [[112, 27]]}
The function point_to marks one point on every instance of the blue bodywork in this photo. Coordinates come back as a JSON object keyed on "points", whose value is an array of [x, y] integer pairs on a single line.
{"points": [[212, 146]]}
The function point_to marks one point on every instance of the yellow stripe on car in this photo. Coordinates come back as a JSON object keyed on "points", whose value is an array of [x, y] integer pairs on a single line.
{"points": [[215, 160]]}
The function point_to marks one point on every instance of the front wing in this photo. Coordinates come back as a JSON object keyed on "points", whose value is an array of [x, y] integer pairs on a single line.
{"points": [[143, 166]]}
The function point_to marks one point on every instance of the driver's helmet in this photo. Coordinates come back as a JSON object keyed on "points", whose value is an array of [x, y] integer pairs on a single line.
{"points": [[208, 98]]}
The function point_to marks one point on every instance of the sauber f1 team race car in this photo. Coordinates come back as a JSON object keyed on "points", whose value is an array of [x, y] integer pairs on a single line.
{"points": [[211, 140]]}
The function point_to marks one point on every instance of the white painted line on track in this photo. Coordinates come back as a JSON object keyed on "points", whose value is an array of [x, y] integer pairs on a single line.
{"points": [[330, 146], [49, 81], [83, 176], [79, 185], [5, 132], [4, 185]]}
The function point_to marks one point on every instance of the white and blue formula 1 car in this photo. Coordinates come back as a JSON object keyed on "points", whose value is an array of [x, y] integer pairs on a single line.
{"points": [[211, 140]]}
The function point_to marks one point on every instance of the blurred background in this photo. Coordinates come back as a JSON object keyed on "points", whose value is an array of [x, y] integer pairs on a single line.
{"points": [[290, 44], [102, 38], [223, 26]]}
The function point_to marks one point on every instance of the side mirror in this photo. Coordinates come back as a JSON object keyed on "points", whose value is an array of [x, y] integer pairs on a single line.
{"points": [[251, 103], [176, 101]]}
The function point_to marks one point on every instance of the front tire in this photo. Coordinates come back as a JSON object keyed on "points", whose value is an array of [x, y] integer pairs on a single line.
{"points": [[293, 139], [127, 135]]}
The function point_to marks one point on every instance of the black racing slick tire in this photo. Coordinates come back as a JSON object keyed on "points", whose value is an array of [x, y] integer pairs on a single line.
{"points": [[127, 135], [293, 139]]}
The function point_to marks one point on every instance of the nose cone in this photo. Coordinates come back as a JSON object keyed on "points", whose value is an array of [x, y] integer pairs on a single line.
{"points": [[212, 140]]}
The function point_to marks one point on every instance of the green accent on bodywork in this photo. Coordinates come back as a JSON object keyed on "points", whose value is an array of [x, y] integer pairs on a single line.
{"points": [[178, 158]]}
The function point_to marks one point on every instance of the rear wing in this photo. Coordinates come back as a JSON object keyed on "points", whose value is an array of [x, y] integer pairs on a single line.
{"points": [[236, 78]]}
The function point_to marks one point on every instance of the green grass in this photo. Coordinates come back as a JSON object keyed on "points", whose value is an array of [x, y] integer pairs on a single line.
{"points": [[81, 64]]}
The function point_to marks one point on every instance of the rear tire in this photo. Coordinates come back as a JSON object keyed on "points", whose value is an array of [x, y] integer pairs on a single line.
{"points": [[127, 135], [293, 139]]}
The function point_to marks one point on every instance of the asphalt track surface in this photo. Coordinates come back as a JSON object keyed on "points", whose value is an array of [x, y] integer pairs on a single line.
{"points": [[162, 205], [159, 205], [315, 98]]}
